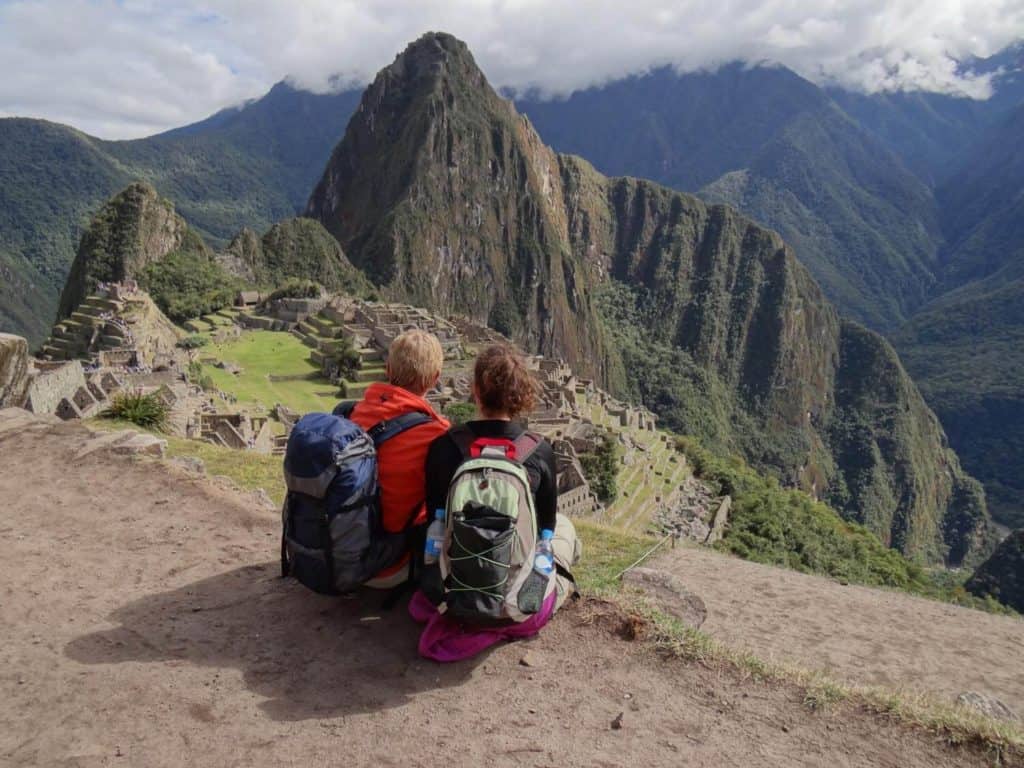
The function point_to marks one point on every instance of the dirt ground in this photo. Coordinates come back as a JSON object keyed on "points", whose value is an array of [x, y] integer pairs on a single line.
{"points": [[144, 625], [862, 635]]}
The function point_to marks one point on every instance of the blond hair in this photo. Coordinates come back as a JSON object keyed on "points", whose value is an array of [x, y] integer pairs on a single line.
{"points": [[414, 361]]}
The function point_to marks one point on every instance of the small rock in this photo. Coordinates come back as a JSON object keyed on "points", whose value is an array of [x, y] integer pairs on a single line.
{"points": [[617, 722], [987, 705], [143, 444], [785, 728], [263, 499], [190, 464], [530, 659]]}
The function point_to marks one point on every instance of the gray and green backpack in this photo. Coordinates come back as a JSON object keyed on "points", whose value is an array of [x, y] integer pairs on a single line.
{"points": [[486, 565]]}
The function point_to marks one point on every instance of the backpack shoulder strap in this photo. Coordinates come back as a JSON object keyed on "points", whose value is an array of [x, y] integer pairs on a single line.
{"points": [[526, 444], [463, 438], [383, 431], [345, 408]]}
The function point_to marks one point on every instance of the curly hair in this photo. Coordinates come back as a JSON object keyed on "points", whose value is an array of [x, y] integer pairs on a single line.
{"points": [[503, 382]]}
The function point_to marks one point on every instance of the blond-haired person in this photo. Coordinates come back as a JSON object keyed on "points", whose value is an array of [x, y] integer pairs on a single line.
{"points": [[413, 367]]}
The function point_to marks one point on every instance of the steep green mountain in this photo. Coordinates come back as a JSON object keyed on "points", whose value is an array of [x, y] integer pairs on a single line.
{"points": [[292, 248], [930, 131], [983, 205], [1002, 575], [51, 179], [249, 166], [779, 149], [441, 192], [966, 348], [446, 196], [134, 229], [966, 351], [138, 235]]}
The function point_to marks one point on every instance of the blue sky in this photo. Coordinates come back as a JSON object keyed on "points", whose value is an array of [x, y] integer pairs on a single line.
{"points": [[128, 68]]}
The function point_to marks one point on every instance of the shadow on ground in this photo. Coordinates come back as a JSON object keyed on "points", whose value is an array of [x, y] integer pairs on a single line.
{"points": [[309, 656]]}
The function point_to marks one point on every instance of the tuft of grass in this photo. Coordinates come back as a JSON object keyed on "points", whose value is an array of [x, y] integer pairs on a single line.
{"points": [[146, 411], [247, 469], [606, 552]]}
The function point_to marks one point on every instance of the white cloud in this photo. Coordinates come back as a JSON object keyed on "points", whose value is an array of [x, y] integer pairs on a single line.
{"points": [[133, 67]]}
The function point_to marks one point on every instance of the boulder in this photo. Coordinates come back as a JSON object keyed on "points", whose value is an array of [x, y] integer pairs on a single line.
{"points": [[13, 370], [669, 595], [986, 705]]}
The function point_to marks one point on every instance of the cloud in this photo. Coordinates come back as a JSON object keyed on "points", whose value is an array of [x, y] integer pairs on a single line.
{"points": [[133, 67]]}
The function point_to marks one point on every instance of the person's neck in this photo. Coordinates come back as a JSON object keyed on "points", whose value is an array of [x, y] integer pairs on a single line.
{"points": [[411, 391], [495, 416]]}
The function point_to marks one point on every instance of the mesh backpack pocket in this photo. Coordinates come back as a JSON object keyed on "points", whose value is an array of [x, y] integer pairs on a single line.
{"points": [[480, 554]]}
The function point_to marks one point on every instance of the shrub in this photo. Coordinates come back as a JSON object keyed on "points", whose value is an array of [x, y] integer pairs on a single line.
{"points": [[297, 288], [147, 411], [347, 360], [459, 413], [602, 468], [193, 342], [187, 285]]}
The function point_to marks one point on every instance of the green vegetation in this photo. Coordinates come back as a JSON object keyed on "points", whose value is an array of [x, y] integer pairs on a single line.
{"points": [[299, 255], [602, 468], [347, 359], [147, 411], [1001, 577], [607, 552], [188, 285], [243, 167], [297, 288], [275, 369], [460, 413], [193, 342], [786, 527]]}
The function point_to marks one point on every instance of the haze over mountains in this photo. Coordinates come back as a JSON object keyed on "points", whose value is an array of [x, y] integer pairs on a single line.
{"points": [[902, 207]]}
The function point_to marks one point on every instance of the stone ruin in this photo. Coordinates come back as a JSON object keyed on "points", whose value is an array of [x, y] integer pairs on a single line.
{"points": [[47, 387]]}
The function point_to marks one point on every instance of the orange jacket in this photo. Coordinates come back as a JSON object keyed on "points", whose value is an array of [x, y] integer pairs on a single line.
{"points": [[401, 459]]}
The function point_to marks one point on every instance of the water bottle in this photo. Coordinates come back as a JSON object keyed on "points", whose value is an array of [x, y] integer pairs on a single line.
{"points": [[544, 557], [435, 539]]}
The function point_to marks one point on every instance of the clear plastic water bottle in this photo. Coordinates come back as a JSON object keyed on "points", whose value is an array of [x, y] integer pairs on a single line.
{"points": [[435, 539], [544, 557]]}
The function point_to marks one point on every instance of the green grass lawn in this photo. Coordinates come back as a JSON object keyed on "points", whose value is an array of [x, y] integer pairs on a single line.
{"points": [[264, 353]]}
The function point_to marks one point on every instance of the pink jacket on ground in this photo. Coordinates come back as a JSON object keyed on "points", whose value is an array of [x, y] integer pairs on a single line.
{"points": [[445, 639]]}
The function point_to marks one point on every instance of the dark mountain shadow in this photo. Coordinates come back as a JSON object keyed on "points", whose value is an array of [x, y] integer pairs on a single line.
{"points": [[309, 656]]}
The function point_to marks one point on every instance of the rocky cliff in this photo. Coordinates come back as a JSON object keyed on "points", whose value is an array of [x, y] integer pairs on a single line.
{"points": [[446, 197], [133, 229], [13, 370]]}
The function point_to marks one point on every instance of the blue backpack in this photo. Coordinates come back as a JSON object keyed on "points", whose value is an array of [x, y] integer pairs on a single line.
{"points": [[333, 538]]}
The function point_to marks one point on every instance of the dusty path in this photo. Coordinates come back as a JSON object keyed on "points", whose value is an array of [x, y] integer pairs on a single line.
{"points": [[144, 626], [870, 636]]}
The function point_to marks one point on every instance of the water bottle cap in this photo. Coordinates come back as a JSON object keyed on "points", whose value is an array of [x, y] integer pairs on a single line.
{"points": [[547, 534], [439, 514]]}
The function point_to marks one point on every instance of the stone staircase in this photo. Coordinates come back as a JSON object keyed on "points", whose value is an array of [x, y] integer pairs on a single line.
{"points": [[92, 328], [328, 334]]}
